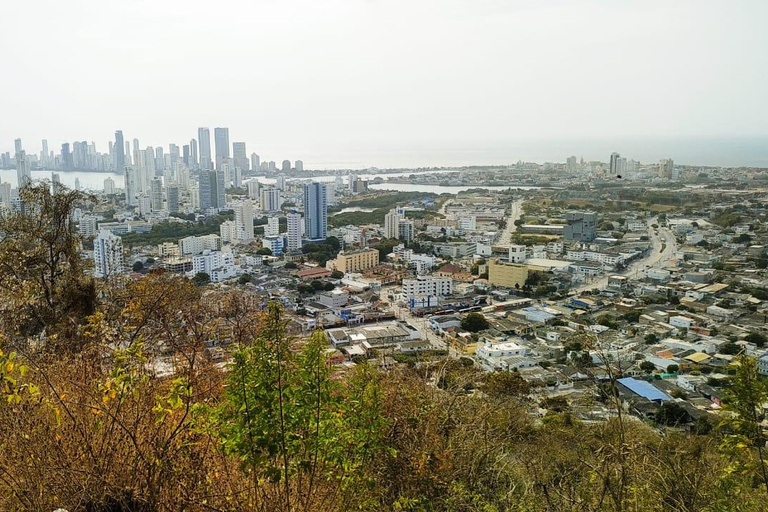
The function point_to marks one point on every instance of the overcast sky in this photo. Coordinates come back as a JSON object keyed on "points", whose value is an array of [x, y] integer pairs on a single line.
{"points": [[381, 73]]}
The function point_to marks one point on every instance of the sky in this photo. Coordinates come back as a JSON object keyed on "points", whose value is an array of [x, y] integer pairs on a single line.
{"points": [[294, 76]]}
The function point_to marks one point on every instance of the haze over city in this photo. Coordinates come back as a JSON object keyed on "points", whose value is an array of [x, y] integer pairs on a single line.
{"points": [[395, 84]]}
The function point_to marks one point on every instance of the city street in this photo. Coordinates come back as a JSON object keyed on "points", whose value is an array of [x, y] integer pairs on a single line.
{"points": [[636, 270]]}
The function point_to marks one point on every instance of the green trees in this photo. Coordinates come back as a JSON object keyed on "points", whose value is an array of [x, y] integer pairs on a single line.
{"points": [[744, 404], [201, 279], [671, 414], [44, 284], [474, 322], [288, 423]]}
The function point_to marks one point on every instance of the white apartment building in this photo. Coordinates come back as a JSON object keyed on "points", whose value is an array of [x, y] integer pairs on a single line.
{"points": [[517, 253], [218, 265], [244, 221], [274, 244], [294, 231], [192, 245], [87, 226], [270, 200], [273, 226], [426, 286], [107, 254], [468, 223], [228, 231], [599, 257]]}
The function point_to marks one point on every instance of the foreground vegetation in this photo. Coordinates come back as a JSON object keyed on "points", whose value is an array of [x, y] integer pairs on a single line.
{"points": [[122, 403]]}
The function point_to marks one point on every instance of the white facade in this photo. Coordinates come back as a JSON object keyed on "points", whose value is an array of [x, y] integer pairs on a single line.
{"points": [[87, 226], [274, 244], [218, 265], [425, 286], [192, 245], [599, 257], [273, 226], [517, 253], [270, 200], [244, 221], [468, 223], [107, 254], [294, 231], [392, 225], [228, 231]]}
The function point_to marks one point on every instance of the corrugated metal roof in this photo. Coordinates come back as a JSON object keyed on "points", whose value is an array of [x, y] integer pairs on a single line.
{"points": [[644, 389]]}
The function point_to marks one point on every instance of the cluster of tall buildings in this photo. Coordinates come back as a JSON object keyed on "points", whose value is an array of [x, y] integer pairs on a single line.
{"points": [[397, 226], [196, 155]]}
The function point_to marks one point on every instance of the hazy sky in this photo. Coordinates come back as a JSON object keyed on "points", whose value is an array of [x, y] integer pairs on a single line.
{"points": [[381, 73]]}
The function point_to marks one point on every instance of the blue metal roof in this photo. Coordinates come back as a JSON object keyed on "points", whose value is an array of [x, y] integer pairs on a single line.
{"points": [[644, 389]]}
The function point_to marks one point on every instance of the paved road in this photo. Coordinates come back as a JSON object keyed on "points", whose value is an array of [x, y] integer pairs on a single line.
{"points": [[636, 270], [422, 324], [515, 212]]}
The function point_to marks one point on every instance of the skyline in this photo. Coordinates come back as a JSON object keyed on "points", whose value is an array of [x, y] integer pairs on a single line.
{"points": [[342, 78], [722, 152]]}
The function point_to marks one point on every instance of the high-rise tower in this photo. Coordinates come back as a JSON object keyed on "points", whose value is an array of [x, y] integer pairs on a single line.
{"points": [[221, 137], [204, 138], [315, 211]]}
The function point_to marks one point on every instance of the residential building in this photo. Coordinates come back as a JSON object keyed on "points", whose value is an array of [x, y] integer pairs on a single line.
{"points": [[274, 243], [427, 286], [294, 231], [192, 245], [273, 226], [355, 261], [107, 254], [244, 221], [218, 265], [315, 211], [270, 200]]}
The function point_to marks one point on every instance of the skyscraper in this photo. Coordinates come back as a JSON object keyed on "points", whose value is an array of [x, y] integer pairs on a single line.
{"points": [[119, 149], [107, 254], [172, 196], [156, 194], [109, 186], [286, 166], [221, 137], [219, 199], [294, 231], [270, 199], [666, 168], [17, 145], [159, 161], [315, 211], [240, 156], [66, 158], [193, 162], [44, 155], [615, 157], [244, 221], [204, 189], [204, 136], [299, 166], [131, 185], [570, 165], [23, 172], [255, 162], [392, 224]]}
